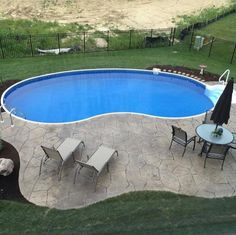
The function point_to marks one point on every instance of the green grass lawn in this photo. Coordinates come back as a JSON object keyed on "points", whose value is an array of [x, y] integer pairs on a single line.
{"points": [[224, 29], [133, 213], [138, 58]]}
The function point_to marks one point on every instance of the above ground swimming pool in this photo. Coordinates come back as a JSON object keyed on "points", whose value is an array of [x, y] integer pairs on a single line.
{"points": [[77, 95]]}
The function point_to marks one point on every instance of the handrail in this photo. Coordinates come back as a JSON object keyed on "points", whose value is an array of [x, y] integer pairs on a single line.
{"points": [[12, 110], [1, 114], [227, 73]]}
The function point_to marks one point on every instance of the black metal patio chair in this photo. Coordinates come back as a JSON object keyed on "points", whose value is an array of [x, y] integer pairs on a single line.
{"points": [[233, 144], [217, 152], [180, 137]]}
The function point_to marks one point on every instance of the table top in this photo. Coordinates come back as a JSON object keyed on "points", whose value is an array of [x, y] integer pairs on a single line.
{"points": [[204, 131]]}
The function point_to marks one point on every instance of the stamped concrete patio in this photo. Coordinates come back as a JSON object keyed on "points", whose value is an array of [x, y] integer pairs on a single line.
{"points": [[144, 162]]}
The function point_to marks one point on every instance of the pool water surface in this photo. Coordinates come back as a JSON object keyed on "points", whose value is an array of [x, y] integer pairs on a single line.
{"points": [[77, 95]]}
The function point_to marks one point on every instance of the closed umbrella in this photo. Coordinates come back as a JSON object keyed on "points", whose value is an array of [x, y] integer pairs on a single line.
{"points": [[221, 112]]}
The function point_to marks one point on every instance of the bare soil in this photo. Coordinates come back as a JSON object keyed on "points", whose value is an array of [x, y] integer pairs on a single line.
{"points": [[105, 14]]}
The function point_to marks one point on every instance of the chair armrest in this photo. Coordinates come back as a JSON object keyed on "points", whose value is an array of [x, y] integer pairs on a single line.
{"points": [[83, 164], [192, 138]]}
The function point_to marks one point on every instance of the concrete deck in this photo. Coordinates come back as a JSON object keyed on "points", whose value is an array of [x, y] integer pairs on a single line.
{"points": [[144, 162]]}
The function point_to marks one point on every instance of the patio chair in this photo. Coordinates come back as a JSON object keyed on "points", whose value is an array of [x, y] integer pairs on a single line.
{"points": [[62, 153], [217, 152], [233, 144], [180, 137], [207, 120], [96, 162]]}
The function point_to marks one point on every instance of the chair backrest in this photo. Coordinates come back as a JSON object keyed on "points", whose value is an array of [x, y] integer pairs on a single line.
{"points": [[207, 118], [179, 133], [216, 150], [233, 144], [83, 164], [234, 134], [52, 153]]}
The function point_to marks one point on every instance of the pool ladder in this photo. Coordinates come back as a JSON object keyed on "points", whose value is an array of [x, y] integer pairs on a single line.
{"points": [[227, 73], [12, 111]]}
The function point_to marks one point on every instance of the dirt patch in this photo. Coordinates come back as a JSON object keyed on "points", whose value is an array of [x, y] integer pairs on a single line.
{"points": [[122, 14]]}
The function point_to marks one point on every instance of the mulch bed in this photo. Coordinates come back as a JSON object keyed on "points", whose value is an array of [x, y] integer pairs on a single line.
{"points": [[194, 73], [9, 187]]}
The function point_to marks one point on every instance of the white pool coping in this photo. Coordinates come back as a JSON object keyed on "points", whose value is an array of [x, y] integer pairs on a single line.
{"points": [[154, 71]]}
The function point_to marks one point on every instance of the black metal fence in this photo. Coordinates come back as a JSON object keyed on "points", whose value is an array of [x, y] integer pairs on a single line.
{"points": [[12, 46], [35, 45], [212, 46]]}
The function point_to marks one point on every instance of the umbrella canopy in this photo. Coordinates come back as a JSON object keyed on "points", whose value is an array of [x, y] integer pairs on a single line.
{"points": [[221, 112]]}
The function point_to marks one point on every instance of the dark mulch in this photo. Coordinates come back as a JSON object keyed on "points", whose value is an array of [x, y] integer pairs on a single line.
{"points": [[9, 187]]}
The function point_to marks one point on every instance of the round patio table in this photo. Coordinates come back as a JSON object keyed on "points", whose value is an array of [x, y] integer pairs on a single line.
{"points": [[204, 131]]}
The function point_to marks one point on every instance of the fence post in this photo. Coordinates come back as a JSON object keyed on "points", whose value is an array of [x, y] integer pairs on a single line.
{"points": [[232, 58], [3, 56], [173, 37], [151, 32], [130, 38], [84, 42], [212, 41], [170, 39], [31, 46], [58, 43], [191, 38], [108, 40]]}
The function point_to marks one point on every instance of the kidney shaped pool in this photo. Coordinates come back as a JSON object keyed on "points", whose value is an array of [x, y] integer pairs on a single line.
{"points": [[77, 95]]}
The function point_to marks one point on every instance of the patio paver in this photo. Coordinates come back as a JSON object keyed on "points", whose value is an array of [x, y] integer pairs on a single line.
{"points": [[144, 162]]}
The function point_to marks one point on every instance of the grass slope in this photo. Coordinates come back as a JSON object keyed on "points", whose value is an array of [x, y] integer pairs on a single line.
{"points": [[133, 213], [223, 29], [137, 58], [37, 27]]}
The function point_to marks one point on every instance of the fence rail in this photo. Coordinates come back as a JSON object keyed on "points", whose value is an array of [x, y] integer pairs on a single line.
{"points": [[213, 46], [34, 45], [12, 46]]}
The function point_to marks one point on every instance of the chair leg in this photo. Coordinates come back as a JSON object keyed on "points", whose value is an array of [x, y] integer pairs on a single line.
{"points": [[194, 144], [205, 162], [203, 148], [77, 172], [171, 143], [222, 165], [107, 167], [43, 160], [95, 183], [59, 175], [82, 148], [184, 151]]}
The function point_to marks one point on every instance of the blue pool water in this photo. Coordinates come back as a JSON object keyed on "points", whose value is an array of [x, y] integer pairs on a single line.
{"points": [[76, 95]]}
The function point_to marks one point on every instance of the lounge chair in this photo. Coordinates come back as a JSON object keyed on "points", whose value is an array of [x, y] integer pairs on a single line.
{"points": [[96, 162], [180, 137], [62, 153]]}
